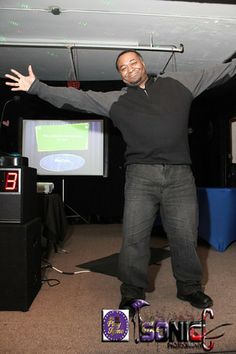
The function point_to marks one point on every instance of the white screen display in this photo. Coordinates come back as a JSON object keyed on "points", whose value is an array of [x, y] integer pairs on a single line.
{"points": [[64, 147]]}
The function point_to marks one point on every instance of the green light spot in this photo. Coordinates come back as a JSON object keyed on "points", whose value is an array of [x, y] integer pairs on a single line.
{"points": [[107, 2], [24, 6], [2, 39], [83, 23], [51, 54], [14, 23]]}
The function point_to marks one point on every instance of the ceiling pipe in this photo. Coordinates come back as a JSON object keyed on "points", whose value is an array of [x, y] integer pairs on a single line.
{"points": [[56, 10], [152, 48]]}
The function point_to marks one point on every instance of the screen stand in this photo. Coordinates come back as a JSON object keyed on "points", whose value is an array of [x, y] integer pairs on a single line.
{"points": [[75, 213]]}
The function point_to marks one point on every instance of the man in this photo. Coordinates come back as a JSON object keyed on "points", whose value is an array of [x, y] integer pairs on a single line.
{"points": [[152, 115]]}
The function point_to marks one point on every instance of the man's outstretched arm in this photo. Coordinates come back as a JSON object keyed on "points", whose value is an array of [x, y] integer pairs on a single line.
{"points": [[64, 97]]}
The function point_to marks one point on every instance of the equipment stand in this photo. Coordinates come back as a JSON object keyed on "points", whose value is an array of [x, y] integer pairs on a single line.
{"points": [[75, 213]]}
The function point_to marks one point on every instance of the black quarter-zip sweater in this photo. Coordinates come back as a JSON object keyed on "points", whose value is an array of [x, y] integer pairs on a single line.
{"points": [[154, 120]]}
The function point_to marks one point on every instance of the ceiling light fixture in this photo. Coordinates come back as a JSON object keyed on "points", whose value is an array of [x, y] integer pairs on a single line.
{"points": [[55, 10]]}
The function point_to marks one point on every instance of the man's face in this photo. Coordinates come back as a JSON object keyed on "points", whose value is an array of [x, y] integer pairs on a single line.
{"points": [[132, 69]]}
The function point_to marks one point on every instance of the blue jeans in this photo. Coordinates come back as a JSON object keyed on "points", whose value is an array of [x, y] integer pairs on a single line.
{"points": [[170, 189]]}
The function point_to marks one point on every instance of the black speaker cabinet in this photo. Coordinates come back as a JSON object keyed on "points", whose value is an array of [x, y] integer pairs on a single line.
{"points": [[18, 194], [20, 264]]}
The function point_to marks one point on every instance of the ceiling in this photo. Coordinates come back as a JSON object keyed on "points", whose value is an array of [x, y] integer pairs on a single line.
{"points": [[79, 40]]}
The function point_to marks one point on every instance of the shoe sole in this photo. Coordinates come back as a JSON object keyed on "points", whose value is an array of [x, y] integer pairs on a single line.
{"points": [[210, 304]]}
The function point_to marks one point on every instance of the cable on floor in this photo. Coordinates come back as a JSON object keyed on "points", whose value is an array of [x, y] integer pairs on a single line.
{"points": [[49, 265]]}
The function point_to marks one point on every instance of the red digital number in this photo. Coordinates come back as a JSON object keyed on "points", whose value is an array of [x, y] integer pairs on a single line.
{"points": [[11, 180]]}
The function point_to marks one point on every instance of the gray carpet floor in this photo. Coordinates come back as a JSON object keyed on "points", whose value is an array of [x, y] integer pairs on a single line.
{"points": [[67, 317]]}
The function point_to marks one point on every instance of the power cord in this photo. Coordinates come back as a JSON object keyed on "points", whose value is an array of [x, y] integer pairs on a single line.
{"points": [[49, 265]]}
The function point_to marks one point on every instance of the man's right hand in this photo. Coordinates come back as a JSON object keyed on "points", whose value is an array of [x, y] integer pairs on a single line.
{"points": [[20, 82]]}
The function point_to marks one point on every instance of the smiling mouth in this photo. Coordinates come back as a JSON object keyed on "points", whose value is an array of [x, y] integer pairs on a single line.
{"points": [[133, 75]]}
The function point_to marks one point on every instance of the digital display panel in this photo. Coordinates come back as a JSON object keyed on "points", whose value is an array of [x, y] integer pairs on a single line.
{"points": [[9, 181]]}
